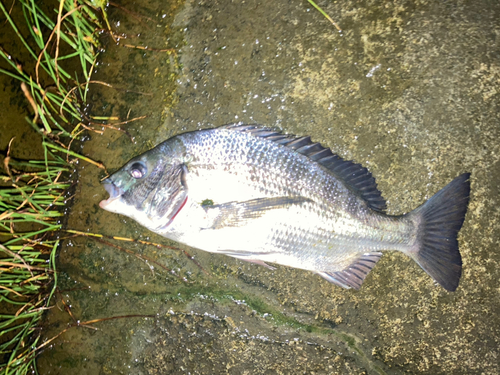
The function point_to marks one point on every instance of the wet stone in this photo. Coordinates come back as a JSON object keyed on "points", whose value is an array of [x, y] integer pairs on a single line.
{"points": [[409, 89]]}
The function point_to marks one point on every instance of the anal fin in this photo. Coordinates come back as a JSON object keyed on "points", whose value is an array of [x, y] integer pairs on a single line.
{"points": [[355, 273]]}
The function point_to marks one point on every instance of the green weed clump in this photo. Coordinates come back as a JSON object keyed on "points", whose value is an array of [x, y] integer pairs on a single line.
{"points": [[29, 214], [54, 92], [62, 48]]}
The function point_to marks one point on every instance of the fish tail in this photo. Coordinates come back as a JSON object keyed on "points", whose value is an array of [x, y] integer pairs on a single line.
{"points": [[439, 221]]}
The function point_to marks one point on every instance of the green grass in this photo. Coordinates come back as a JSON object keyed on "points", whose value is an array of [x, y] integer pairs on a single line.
{"points": [[61, 46], [325, 15], [28, 214], [73, 30]]}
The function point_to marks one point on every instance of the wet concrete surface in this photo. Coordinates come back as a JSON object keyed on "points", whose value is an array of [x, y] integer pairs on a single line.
{"points": [[408, 89]]}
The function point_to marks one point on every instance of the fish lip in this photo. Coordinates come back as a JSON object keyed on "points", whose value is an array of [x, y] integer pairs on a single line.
{"points": [[114, 192]]}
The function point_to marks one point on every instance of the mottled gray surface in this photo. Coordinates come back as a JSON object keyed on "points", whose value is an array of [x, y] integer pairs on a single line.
{"points": [[409, 89]]}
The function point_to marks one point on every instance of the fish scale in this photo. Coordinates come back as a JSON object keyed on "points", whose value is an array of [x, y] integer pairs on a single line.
{"points": [[282, 199]]}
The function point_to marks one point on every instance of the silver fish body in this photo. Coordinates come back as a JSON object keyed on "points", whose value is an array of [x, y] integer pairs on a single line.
{"points": [[258, 195]]}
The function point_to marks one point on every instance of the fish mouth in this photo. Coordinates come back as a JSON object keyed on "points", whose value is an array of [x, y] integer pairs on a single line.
{"points": [[114, 193]]}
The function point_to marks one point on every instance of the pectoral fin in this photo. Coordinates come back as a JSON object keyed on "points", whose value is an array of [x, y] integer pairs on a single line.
{"points": [[235, 214]]}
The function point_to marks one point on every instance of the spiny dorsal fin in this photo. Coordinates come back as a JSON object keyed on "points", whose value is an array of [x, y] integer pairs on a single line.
{"points": [[354, 274], [354, 175]]}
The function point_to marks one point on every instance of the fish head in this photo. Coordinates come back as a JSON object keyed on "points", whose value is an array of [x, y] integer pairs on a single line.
{"points": [[150, 188]]}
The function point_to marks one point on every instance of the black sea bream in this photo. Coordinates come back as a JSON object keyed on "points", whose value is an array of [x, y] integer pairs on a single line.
{"points": [[265, 197]]}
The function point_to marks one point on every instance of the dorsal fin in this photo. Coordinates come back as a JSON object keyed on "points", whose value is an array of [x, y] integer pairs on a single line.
{"points": [[354, 175], [354, 274]]}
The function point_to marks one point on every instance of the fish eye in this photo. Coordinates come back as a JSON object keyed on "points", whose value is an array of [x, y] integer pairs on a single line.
{"points": [[138, 170]]}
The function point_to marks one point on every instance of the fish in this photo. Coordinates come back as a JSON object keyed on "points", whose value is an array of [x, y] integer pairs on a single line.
{"points": [[256, 194]]}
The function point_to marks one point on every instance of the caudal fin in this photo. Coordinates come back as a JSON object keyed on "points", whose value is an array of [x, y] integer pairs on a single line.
{"points": [[440, 220]]}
